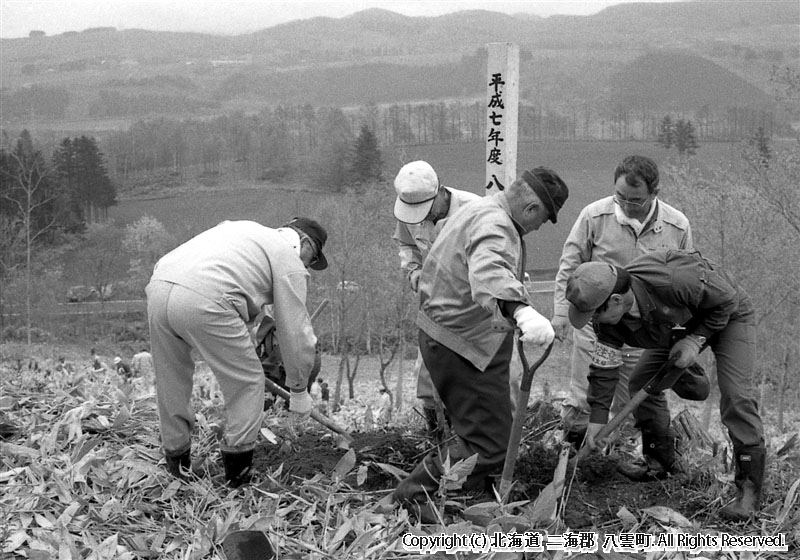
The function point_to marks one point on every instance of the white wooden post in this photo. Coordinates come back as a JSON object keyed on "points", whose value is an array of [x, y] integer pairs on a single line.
{"points": [[502, 115]]}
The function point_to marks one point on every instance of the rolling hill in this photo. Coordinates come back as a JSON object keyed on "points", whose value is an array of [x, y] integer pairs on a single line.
{"points": [[677, 55]]}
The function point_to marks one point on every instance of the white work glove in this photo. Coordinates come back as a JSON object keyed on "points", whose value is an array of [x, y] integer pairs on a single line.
{"points": [[535, 328], [300, 405]]}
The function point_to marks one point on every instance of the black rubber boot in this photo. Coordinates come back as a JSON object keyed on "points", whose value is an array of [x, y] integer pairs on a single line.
{"points": [[423, 482], [431, 419], [238, 467], [177, 462], [658, 459], [749, 482], [693, 385]]}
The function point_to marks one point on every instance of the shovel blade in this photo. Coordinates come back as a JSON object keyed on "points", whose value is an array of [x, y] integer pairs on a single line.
{"points": [[247, 545]]}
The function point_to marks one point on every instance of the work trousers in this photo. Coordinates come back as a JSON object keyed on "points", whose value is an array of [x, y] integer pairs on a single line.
{"points": [[426, 392], [575, 408], [180, 320], [477, 402], [735, 351]]}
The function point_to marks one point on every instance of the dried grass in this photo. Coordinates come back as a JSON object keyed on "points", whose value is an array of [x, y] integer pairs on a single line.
{"points": [[83, 480]]}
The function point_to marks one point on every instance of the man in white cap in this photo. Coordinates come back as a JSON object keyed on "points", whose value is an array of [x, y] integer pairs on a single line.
{"points": [[422, 208], [471, 297], [203, 295]]}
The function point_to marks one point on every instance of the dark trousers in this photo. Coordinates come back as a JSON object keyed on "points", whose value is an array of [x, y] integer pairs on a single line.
{"points": [[735, 352], [478, 404]]}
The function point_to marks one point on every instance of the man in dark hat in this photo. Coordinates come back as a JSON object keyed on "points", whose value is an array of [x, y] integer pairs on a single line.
{"points": [[674, 304], [471, 295], [203, 295]]}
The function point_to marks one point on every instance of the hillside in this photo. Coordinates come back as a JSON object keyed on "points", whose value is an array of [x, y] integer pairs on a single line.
{"points": [[672, 81], [377, 56]]}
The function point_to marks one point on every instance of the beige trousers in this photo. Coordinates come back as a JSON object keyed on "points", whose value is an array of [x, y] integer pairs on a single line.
{"points": [[181, 320]]}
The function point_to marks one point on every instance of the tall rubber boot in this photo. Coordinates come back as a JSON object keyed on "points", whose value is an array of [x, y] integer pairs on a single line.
{"points": [[423, 482], [658, 458], [431, 419], [238, 467], [575, 436], [177, 462], [749, 481]]}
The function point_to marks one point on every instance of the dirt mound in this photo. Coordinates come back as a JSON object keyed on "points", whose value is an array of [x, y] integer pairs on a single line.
{"points": [[318, 453], [597, 492]]}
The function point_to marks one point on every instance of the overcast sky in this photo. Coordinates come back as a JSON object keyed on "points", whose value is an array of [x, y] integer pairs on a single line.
{"points": [[232, 17]]}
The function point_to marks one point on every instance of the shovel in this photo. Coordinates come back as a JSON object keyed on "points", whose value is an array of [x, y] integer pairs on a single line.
{"points": [[276, 389], [664, 378], [545, 505], [512, 451]]}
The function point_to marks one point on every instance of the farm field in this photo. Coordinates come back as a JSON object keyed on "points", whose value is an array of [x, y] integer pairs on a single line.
{"points": [[586, 167]]}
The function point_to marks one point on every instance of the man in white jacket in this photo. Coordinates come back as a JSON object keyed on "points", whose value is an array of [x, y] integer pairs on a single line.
{"points": [[203, 295]]}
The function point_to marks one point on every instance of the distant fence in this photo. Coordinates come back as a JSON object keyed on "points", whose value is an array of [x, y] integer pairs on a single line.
{"points": [[87, 308], [543, 287], [140, 305]]}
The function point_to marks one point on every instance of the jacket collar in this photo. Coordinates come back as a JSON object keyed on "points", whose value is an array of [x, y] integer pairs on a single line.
{"points": [[503, 203], [656, 217]]}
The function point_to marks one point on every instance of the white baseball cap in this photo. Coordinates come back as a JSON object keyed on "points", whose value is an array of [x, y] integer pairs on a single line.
{"points": [[416, 185]]}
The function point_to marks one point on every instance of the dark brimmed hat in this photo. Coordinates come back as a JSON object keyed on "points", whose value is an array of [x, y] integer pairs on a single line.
{"points": [[549, 187], [587, 289], [317, 234]]}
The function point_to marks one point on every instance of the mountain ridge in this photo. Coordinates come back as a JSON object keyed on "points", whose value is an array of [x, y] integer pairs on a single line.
{"points": [[565, 60]]}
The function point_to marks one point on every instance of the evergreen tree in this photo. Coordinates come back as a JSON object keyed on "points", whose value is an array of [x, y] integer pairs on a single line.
{"points": [[367, 160], [761, 142], [86, 189], [685, 138], [666, 132], [68, 181], [334, 158]]}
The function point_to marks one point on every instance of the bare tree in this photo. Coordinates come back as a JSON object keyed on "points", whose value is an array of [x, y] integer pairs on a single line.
{"points": [[744, 216], [29, 198]]}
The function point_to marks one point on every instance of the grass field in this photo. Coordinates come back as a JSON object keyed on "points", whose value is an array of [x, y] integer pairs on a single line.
{"points": [[586, 167]]}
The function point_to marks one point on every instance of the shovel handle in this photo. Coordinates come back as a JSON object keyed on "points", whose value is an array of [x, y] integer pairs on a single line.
{"points": [[276, 389], [320, 308], [519, 417], [665, 377]]}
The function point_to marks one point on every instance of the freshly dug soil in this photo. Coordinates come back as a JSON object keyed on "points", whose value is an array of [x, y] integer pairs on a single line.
{"points": [[597, 492]]}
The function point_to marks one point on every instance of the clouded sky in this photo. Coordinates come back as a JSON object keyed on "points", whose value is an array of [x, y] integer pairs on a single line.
{"points": [[231, 17]]}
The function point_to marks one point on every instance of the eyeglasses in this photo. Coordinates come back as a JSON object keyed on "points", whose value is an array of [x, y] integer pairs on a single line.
{"points": [[626, 202]]}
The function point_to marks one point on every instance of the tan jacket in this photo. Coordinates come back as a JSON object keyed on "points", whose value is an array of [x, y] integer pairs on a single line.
{"points": [[597, 236], [476, 262]]}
